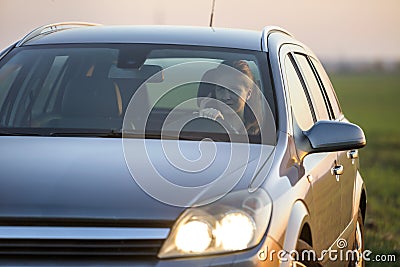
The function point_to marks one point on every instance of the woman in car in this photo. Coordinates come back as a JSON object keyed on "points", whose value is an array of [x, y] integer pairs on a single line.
{"points": [[233, 94]]}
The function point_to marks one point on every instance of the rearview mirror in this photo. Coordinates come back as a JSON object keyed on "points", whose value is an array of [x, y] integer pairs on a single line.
{"points": [[329, 136], [154, 72]]}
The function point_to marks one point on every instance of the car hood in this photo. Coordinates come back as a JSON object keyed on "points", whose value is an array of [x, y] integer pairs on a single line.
{"points": [[88, 178]]}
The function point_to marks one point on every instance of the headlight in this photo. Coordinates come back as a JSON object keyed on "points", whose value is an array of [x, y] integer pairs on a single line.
{"points": [[227, 235], [193, 230], [235, 222]]}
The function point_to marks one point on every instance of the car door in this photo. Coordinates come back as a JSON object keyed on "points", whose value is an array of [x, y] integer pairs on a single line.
{"points": [[347, 159], [325, 207]]}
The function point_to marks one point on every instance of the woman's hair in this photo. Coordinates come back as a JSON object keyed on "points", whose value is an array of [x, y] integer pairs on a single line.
{"points": [[252, 109], [241, 66]]}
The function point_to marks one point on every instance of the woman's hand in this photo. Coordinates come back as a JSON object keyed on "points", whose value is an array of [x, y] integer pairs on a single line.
{"points": [[211, 113], [207, 112]]}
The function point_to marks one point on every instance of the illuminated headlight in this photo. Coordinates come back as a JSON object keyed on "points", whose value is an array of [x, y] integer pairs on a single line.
{"points": [[234, 231], [236, 222], [193, 230]]}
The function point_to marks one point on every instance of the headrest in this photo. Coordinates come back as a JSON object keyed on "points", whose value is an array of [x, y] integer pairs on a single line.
{"points": [[89, 96]]}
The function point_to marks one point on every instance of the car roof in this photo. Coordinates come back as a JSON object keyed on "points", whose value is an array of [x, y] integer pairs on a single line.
{"points": [[180, 35]]}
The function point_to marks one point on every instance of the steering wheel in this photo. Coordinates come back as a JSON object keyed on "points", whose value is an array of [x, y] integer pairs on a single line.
{"points": [[195, 123]]}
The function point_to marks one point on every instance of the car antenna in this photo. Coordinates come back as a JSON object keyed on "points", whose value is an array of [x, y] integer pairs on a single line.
{"points": [[212, 13]]}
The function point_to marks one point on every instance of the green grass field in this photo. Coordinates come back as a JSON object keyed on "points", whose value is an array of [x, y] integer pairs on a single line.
{"points": [[373, 102]]}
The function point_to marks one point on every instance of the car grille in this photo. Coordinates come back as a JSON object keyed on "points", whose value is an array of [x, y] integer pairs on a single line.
{"points": [[81, 241], [148, 248]]}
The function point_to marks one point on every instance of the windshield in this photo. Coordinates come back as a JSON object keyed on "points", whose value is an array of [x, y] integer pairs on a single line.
{"points": [[142, 90]]}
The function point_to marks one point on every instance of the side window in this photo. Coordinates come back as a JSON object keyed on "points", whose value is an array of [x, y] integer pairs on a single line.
{"points": [[298, 99], [314, 88], [328, 88]]}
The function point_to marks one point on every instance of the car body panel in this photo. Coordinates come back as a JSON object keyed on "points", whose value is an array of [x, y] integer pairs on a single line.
{"points": [[318, 175], [326, 192], [72, 178], [81, 178]]}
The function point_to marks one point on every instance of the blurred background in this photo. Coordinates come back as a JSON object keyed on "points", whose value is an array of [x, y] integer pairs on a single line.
{"points": [[358, 41]]}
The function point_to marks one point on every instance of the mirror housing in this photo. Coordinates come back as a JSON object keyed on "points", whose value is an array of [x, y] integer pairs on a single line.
{"points": [[329, 136], [149, 73]]}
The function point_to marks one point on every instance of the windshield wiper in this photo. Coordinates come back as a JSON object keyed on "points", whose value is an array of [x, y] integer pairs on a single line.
{"points": [[147, 135], [105, 134], [59, 132], [13, 133], [175, 136], [82, 133]]}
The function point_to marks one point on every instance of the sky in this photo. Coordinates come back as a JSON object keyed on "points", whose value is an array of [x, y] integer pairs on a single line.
{"points": [[337, 30]]}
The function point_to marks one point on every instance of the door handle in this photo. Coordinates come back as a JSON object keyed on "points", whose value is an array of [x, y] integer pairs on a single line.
{"points": [[352, 154], [337, 170]]}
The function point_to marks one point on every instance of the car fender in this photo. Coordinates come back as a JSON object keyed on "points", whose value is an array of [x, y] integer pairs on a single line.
{"points": [[359, 188], [298, 217]]}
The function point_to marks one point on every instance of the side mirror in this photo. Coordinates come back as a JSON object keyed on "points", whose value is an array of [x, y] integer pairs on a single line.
{"points": [[328, 136]]}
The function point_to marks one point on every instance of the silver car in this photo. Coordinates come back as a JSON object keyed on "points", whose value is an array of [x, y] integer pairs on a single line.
{"points": [[174, 146]]}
